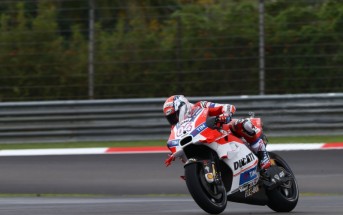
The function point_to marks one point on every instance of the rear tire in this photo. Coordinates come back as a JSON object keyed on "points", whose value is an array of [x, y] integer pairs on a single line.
{"points": [[210, 197], [285, 197]]}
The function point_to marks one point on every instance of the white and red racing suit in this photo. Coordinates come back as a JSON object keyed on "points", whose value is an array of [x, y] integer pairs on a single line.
{"points": [[241, 128]]}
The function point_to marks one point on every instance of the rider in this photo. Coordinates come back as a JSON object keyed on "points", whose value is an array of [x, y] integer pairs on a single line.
{"points": [[177, 108]]}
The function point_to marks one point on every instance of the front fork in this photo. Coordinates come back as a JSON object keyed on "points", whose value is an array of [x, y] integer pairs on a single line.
{"points": [[212, 175], [209, 171]]}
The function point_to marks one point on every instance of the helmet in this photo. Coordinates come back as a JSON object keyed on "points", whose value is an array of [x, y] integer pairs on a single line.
{"points": [[176, 108]]}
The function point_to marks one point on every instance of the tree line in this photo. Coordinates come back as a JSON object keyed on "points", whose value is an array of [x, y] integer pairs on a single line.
{"points": [[157, 48]]}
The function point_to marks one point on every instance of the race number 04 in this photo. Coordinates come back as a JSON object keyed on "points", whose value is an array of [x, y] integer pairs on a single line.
{"points": [[184, 129]]}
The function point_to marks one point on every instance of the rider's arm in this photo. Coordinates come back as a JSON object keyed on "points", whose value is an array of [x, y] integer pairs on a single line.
{"points": [[216, 109]]}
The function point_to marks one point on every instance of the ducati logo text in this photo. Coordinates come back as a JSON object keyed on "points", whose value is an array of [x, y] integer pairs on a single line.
{"points": [[244, 161]]}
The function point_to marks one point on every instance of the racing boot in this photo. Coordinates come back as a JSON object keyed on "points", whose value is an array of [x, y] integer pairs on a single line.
{"points": [[259, 148], [270, 174], [264, 160]]}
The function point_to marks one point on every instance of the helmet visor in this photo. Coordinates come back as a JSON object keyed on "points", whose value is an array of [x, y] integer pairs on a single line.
{"points": [[173, 118]]}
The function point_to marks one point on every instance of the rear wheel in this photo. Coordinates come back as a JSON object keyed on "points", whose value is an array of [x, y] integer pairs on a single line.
{"points": [[285, 197], [211, 197]]}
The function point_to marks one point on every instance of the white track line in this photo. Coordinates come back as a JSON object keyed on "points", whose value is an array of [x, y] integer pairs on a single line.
{"points": [[140, 150]]}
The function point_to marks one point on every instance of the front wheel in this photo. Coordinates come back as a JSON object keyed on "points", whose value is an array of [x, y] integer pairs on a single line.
{"points": [[211, 197], [285, 197]]}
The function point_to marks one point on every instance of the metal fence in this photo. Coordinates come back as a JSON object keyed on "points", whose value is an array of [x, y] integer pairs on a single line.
{"points": [[142, 119], [79, 49]]}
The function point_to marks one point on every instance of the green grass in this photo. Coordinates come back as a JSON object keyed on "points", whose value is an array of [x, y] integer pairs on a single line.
{"points": [[305, 139]]}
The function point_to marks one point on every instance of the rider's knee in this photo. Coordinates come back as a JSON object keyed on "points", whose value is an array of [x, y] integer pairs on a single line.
{"points": [[246, 129]]}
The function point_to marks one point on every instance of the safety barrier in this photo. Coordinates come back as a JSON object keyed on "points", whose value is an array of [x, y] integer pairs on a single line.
{"points": [[142, 119]]}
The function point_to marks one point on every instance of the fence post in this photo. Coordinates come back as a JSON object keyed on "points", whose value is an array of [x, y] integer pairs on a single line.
{"points": [[261, 48], [91, 50]]}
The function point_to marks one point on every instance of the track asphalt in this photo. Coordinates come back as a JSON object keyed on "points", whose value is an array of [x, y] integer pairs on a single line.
{"points": [[139, 183]]}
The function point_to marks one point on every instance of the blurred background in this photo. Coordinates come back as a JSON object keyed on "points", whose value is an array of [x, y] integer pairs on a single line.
{"points": [[105, 49], [91, 70], [95, 73]]}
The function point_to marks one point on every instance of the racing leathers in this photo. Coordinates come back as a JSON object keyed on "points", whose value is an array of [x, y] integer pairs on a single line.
{"points": [[243, 128]]}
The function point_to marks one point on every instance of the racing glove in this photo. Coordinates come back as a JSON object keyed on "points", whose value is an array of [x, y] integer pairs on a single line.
{"points": [[228, 110], [220, 120]]}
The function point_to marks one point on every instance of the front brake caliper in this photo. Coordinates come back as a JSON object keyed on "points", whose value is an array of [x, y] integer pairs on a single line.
{"points": [[209, 170]]}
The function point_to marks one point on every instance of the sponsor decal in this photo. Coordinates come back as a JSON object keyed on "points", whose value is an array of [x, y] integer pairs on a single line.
{"points": [[173, 143], [177, 102], [251, 191], [169, 104], [248, 177], [199, 129], [196, 112], [168, 112], [244, 161]]}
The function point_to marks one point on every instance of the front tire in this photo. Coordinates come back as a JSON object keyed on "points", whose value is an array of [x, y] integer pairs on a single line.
{"points": [[209, 196], [285, 197]]}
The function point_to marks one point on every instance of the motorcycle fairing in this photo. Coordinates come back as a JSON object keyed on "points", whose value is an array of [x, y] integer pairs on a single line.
{"points": [[243, 164], [196, 127], [237, 156]]}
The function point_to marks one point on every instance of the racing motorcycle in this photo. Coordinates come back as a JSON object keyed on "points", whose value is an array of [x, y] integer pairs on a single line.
{"points": [[220, 167]]}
